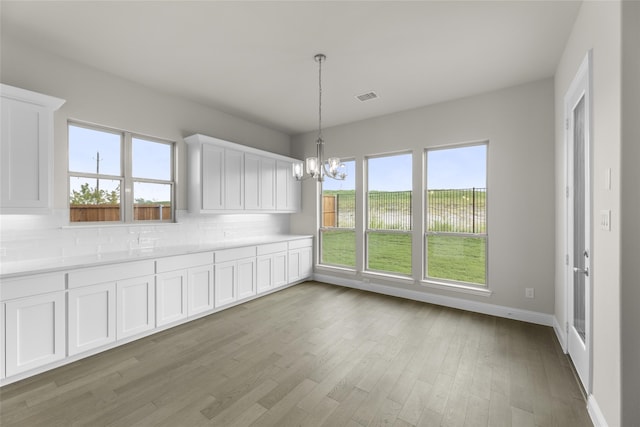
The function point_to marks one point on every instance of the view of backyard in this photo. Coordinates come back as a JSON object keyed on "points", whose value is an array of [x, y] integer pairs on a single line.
{"points": [[455, 227]]}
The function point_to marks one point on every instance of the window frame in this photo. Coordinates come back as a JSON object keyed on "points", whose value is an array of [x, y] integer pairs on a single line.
{"points": [[368, 231], [126, 178], [443, 283]]}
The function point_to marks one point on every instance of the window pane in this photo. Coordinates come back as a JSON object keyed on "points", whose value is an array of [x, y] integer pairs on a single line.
{"points": [[389, 192], [151, 160], [462, 259], [94, 199], [151, 201], [94, 151], [338, 247], [339, 200], [456, 214], [389, 252]]}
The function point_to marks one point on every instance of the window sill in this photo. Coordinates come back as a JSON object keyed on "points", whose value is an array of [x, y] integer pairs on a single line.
{"points": [[389, 277], [454, 287], [335, 268], [115, 225]]}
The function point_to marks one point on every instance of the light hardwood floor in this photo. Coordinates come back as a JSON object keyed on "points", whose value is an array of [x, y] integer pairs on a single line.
{"points": [[315, 355]]}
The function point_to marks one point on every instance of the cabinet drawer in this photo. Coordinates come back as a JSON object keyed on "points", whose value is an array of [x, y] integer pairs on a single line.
{"points": [[234, 254], [125, 270], [301, 243], [183, 261], [272, 248], [31, 285]]}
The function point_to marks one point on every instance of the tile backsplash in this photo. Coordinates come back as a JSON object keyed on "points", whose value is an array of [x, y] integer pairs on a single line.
{"points": [[28, 237]]}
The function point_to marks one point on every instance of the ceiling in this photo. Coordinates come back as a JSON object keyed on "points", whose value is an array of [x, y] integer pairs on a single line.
{"points": [[255, 59]]}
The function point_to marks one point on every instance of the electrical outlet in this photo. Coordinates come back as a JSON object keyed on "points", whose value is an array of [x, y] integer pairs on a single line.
{"points": [[529, 293]]}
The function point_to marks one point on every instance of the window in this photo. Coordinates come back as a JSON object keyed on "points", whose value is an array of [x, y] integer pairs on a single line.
{"points": [[389, 215], [456, 214], [338, 220], [103, 162]]}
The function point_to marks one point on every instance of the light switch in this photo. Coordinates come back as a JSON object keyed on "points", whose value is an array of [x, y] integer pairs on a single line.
{"points": [[605, 220]]}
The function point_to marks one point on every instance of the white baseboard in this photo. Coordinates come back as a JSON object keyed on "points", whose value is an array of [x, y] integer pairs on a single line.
{"points": [[447, 301], [597, 418], [560, 334]]}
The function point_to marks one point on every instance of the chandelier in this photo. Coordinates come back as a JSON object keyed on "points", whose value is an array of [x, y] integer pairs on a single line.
{"points": [[316, 167]]}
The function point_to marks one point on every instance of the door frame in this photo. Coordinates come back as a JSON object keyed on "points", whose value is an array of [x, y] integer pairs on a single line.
{"points": [[580, 85]]}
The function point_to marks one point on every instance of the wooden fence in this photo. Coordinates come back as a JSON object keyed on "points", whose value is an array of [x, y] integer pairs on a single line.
{"points": [[99, 213]]}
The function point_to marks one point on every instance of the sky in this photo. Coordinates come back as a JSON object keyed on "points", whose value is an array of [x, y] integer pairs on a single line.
{"points": [[150, 160], [450, 168]]}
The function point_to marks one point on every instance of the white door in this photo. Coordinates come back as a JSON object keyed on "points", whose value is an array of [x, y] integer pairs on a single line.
{"points": [[577, 111]]}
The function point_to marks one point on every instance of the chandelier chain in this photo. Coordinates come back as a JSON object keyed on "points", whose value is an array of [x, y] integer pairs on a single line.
{"points": [[320, 97]]}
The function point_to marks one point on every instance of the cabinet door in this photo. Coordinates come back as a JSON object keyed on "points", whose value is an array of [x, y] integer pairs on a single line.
{"points": [[251, 182], [25, 141], [212, 177], [135, 307], [234, 179], [268, 184], [283, 170], [294, 265], [279, 269], [264, 273], [92, 317], [171, 297], [200, 285], [225, 283], [306, 262], [246, 277], [287, 188], [35, 332]]}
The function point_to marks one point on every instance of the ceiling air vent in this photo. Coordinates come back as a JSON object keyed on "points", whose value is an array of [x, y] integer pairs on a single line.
{"points": [[367, 96]]}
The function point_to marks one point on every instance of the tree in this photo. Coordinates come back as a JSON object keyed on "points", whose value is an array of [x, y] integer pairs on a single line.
{"points": [[93, 196]]}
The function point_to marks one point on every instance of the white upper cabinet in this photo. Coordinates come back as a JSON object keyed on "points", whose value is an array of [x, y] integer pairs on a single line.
{"points": [[26, 150], [288, 188], [229, 177], [259, 182]]}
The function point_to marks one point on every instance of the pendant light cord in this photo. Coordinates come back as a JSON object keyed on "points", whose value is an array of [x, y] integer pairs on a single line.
{"points": [[320, 97]]}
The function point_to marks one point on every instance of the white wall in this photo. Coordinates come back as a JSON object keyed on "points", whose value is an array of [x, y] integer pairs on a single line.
{"points": [[518, 122], [597, 27], [630, 214], [97, 97]]}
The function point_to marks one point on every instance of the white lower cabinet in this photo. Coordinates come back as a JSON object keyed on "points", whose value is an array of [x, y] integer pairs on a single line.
{"points": [[47, 317], [135, 306], [300, 260], [280, 276], [271, 266], [246, 278], [200, 290], [91, 321], [171, 297], [235, 275], [35, 332], [226, 278]]}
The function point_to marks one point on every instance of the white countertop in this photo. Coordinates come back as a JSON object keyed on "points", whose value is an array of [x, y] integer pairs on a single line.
{"points": [[52, 265]]}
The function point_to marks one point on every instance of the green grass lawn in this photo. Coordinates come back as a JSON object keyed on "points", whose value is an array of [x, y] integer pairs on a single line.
{"points": [[449, 257]]}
